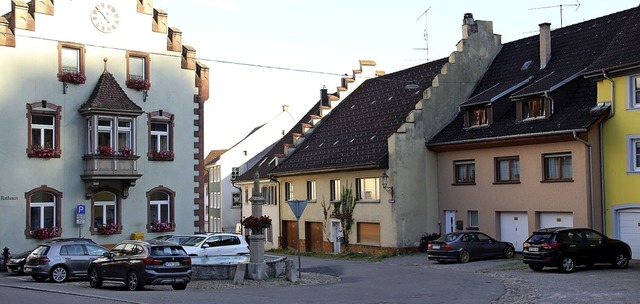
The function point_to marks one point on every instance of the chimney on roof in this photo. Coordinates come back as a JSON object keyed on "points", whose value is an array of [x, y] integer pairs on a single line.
{"points": [[285, 108], [469, 26], [545, 44], [324, 98]]}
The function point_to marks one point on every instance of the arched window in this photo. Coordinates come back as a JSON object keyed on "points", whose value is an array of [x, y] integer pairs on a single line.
{"points": [[161, 210], [43, 210], [105, 208]]}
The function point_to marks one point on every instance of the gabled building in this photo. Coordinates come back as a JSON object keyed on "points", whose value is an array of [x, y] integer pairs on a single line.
{"points": [[225, 198], [524, 151], [617, 73], [271, 188], [103, 118], [373, 143]]}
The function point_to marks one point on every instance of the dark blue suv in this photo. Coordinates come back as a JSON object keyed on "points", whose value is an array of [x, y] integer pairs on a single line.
{"points": [[567, 248]]}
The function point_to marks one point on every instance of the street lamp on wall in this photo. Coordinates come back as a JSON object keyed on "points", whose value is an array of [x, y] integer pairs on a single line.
{"points": [[384, 178]]}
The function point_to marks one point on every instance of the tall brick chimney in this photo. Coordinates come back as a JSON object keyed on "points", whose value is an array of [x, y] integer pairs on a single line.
{"points": [[545, 44]]}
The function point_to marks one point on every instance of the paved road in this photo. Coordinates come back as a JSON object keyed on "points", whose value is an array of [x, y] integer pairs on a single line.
{"points": [[403, 279]]}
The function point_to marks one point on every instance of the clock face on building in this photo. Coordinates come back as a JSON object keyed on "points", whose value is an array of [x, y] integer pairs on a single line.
{"points": [[105, 17]]}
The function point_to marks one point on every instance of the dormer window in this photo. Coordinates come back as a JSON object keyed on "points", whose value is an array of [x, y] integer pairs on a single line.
{"points": [[533, 108], [477, 117]]}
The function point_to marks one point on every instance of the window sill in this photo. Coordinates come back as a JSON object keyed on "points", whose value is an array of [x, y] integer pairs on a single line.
{"points": [[369, 201], [507, 182], [464, 184], [568, 180], [633, 172]]}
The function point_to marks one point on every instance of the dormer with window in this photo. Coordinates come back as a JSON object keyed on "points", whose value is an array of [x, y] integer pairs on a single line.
{"points": [[477, 116], [533, 108]]}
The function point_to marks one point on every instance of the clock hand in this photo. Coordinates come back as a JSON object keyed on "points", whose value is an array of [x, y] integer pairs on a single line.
{"points": [[104, 16]]}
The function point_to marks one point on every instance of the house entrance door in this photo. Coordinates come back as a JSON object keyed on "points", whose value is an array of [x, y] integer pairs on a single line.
{"points": [[449, 221]]}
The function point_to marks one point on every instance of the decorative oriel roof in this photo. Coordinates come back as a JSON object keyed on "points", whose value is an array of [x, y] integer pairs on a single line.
{"points": [[108, 97]]}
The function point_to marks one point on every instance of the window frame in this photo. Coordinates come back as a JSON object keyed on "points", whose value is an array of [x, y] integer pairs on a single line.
{"points": [[146, 70], [288, 191], [117, 218], [469, 179], [160, 117], [633, 153], [362, 187], [171, 195], [46, 109], [633, 100], [473, 218], [235, 172], [510, 178], [335, 190], [57, 212], [311, 191], [81, 57], [471, 117], [368, 238], [561, 176]]}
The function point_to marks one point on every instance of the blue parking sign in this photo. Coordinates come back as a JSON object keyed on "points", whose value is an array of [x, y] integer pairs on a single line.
{"points": [[80, 209]]}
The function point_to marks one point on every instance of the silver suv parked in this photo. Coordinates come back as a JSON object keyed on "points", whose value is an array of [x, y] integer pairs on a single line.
{"points": [[62, 258]]}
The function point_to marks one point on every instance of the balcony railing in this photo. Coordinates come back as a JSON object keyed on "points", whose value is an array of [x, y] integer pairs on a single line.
{"points": [[107, 169]]}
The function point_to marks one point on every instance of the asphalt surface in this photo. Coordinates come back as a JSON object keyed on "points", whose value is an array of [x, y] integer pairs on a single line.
{"points": [[401, 279]]}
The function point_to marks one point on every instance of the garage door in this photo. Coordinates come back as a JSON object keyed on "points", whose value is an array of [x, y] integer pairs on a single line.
{"points": [[556, 219], [629, 228], [514, 228]]}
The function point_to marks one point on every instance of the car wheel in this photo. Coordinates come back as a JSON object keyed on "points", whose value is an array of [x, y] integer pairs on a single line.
{"points": [[94, 278], [621, 261], [58, 274], [535, 267], [508, 252], [179, 286], [38, 278], [568, 264], [464, 256], [133, 281]]}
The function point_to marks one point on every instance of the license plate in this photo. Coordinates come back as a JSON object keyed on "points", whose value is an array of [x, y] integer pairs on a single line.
{"points": [[435, 246], [533, 249], [171, 264]]}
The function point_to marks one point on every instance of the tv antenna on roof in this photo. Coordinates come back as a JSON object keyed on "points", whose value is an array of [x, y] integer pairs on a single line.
{"points": [[560, 6], [426, 32]]}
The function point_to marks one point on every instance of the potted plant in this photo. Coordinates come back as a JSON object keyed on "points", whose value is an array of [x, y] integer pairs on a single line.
{"points": [[44, 233], [426, 238], [159, 226], [107, 229], [36, 151], [162, 155], [138, 84], [125, 152], [104, 151], [73, 77], [256, 224]]}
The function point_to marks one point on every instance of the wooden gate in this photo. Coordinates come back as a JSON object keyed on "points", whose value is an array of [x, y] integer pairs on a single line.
{"points": [[313, 236], [290, 234]]}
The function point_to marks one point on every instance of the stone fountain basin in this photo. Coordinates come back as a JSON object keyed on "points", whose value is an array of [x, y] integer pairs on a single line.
{"points": [[223, 267]]}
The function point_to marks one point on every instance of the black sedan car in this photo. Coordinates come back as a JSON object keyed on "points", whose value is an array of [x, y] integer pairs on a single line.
{"points": [[467, 245], [139, 263], [16, 262], [566, 248]]}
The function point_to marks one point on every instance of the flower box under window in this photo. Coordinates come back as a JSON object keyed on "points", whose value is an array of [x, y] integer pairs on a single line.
{"points": [[138, 84], [73, 77]]}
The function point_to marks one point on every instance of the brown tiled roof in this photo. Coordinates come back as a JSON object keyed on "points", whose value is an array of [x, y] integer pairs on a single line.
{"points": [[573, 49], [108, 96], [354, 135], [213, 156]]}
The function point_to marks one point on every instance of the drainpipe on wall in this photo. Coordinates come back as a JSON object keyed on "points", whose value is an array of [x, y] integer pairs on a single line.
{"points": [[591, 206], [601, 130]]}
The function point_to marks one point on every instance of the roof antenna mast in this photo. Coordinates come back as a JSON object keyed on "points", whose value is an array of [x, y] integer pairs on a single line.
{"points": [[577, 5], [426, 32]]}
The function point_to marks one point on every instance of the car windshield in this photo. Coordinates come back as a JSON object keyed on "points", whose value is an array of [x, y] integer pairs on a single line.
{"points": [[41, 250], [540, 238], [448, 237], [194, 241], [167, 250]]}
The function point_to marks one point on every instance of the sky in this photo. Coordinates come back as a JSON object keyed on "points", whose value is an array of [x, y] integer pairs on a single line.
{"points": [[263, 54]]}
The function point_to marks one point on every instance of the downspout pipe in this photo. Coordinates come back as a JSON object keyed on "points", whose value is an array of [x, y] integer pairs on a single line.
{"points": [[591, 202], [612, 112]]}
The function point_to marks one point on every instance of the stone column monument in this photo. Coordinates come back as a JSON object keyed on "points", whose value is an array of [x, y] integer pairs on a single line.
{"points": [[257, 268]]}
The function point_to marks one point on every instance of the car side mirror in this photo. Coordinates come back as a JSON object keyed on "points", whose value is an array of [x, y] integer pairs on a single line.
{"points": [[205, 245], [108, 254]]}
